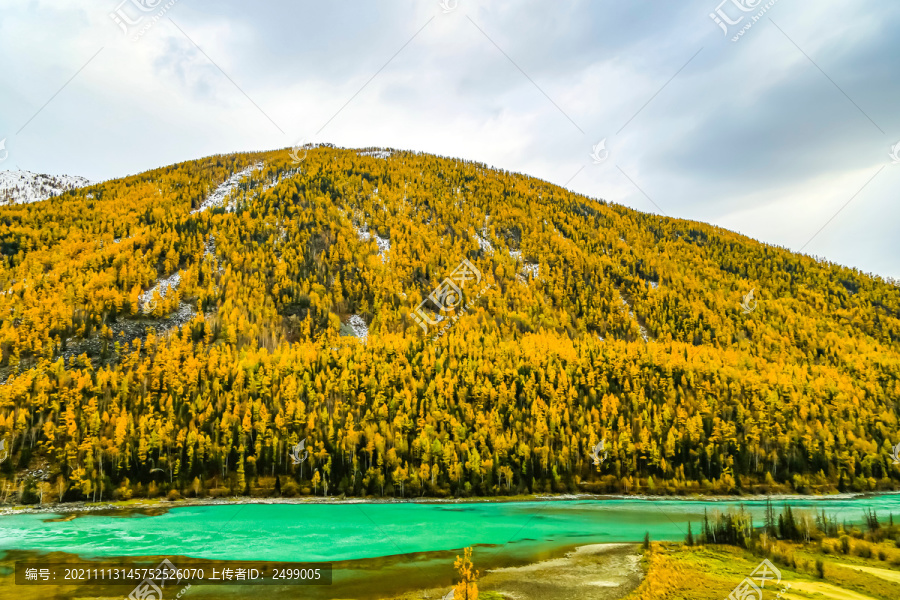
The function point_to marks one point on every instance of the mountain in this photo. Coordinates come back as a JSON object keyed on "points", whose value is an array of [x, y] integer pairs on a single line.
{"points": [[23, 187], [248, 323]]}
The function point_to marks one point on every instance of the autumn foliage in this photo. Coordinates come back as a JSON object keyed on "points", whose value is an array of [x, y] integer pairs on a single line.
{"points": [[600, 323], [466, 588]]}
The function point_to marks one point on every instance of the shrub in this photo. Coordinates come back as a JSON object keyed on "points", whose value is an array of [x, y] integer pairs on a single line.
{"points": [[123, 492], [173, 495], [820, 568], [882, 555], [29, 493], [845, 544], [289, 489], [864, 550]]}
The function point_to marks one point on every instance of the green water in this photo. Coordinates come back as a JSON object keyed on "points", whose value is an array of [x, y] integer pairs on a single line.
{"points": [[348, 532]]}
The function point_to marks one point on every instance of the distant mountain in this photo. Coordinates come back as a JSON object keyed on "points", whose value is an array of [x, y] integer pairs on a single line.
{"points": [[381, 322], [24, 187]]}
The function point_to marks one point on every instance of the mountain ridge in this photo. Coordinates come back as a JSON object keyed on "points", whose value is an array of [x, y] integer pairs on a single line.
{"points": [[24, 187], [594, 322]]}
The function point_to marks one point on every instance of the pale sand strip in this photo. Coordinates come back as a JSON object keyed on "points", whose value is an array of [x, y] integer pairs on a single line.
{"points": [[823, 590], [886, 574]]}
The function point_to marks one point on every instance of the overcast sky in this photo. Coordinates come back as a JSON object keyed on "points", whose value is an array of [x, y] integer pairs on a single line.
{"points": [[784, 135]]}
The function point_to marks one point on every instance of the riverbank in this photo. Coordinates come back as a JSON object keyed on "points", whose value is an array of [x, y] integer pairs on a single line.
{"points": [[161, 505], [586, 572], [865, 567], [592, 572]]}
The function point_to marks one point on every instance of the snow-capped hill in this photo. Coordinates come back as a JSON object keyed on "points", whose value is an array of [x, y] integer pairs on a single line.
{"points": [[22, 187]]}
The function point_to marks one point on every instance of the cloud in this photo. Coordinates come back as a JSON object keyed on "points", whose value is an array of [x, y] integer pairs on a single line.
{"points": [[749, 135]]}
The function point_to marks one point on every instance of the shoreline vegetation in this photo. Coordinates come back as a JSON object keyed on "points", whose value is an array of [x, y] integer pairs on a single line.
{"points": [[35, 487], [808, 556], [162, 505]]}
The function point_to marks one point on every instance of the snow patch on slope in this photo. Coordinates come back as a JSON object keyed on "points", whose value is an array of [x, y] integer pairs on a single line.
{"points": [[533, 269], [384, 244], [644, 334], [527, 269], [356, 327], [276, 179], [375, 152], [163, 286], [25, 187], [209, 251], [219, 196], [485, 244]]}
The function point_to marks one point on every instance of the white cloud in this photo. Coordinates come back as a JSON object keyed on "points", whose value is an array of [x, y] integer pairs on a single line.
{"points": [[749, 135]]}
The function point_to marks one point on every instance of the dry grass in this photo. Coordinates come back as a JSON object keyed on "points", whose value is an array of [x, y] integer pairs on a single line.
{"points": [[712, 572]]}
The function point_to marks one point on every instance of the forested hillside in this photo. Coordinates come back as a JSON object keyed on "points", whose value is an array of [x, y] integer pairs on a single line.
{"points": [[182, 330]]}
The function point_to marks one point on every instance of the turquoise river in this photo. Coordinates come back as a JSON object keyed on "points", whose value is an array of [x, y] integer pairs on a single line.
{"points": [[406, 542]]}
